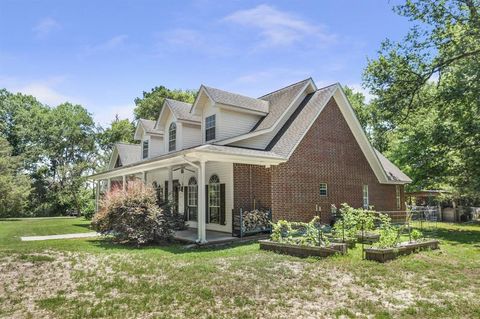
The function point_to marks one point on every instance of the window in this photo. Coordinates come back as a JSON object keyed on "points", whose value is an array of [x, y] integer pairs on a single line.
{"points": [[397, 193], [158, 192], [365, 196], [214, 199], [210, 128], [172, 137], [192, 198], [323, 189], [145, 149]]}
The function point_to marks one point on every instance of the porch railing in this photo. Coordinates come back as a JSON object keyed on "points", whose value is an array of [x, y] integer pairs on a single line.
{"points": [[240, 216]]}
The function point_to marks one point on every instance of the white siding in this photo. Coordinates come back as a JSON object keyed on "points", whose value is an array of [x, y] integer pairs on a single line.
{"points": [[233, 123], [261, 141], [157, 146], [191, 135]]}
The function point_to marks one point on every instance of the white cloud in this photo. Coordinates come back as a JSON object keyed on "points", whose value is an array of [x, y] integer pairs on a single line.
{"points": [[45, 26], [187, 39], [279, 28], [110, 44]]}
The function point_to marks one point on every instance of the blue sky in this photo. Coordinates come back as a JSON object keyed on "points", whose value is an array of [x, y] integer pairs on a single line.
{"points": [[103, 54]]}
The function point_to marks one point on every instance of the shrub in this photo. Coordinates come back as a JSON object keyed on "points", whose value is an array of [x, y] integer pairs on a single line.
{"points": [[288, 232], [416, 234], [351, 221], [175, 220], [388, 233], [132, 216]]}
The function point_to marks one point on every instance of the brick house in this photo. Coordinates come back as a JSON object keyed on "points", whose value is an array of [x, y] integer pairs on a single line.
{"points": [[295, 151]]}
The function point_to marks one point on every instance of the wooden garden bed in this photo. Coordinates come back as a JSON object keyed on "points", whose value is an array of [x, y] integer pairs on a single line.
{"points": [[385, 254], [368, 238], [303, 251]]}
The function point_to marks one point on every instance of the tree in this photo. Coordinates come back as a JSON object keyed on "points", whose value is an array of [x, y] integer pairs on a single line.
{"points": [[14, 186], [119, 131], [149, 106], [57, 147], [427, 87]]}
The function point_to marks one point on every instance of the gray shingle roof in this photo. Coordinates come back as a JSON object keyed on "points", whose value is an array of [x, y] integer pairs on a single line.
{"points": [[149, 126], [181, 110], [294, 133], [279, 100], [392, 171], [129, 153], [237, 100]]}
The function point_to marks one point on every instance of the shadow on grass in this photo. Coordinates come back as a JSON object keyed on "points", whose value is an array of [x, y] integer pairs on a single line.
{"points": [[455, 236], [173, 247]]}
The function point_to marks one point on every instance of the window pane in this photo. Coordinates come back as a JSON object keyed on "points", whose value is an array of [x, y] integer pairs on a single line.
{"points": [[214, 199], [210, 128], [323, 189], [145, 149], [172, 137]]}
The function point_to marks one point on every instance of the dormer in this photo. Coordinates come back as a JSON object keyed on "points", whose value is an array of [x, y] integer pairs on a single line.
{"points": [[151, 139], [182, 128], [225, 115], [124, 154]]}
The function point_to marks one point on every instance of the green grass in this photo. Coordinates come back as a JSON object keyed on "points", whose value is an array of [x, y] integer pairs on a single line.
{"points": [[93, 278]]}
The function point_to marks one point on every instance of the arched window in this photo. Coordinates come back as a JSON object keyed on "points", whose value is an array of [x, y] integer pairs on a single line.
{"points": [[172, 137], [214, 199], [192, 198]]}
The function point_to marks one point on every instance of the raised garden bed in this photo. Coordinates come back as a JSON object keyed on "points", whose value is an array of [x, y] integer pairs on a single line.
{"points": [[303, 251], [351, 243], [368, 238], [385, 254]]}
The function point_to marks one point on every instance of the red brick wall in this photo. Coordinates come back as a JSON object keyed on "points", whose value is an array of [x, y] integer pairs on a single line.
{"points": [[251, 182], [328, 154]]}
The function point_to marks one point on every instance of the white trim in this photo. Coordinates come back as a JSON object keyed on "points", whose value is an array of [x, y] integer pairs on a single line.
{"points": [[273, 127], [200, 91], [360, 136], [195, 154], [240, 109], [112, 162]]}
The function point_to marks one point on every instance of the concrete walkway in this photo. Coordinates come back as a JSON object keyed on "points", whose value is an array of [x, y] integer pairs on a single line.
{"points": [[64, 236]]}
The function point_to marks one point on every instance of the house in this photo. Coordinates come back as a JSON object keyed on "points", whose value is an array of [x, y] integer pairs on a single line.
{"points": [[292, 151]]}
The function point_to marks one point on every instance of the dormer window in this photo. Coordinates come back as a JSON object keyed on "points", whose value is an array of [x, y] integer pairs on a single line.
{"points": [[210, 128], [172, 137], [145, 149]]}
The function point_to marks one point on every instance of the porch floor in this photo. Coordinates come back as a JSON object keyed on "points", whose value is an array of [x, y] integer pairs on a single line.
{"points": [[213, 237]]}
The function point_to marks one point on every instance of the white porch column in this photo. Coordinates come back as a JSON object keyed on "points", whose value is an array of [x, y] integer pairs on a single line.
{"points": [[109, 185], [201, 227], [144, 178], [124, 180], [170, 183], [97, 195]]}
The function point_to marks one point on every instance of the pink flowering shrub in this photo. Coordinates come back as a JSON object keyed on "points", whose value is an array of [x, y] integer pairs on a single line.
{"points": [[132, 216]]}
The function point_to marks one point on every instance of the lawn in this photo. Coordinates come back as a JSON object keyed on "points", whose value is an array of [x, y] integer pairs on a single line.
{"points": [[91, 278]]}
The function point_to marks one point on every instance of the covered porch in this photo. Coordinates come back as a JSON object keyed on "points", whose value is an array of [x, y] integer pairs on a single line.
{"points": [[197, 182]]}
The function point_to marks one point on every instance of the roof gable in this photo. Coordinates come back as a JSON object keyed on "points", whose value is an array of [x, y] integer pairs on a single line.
{"points": [[384, 170], [181, 111], [127, 153], [146, 127], [230, 100]]}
